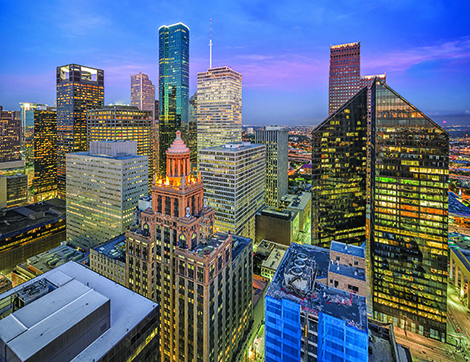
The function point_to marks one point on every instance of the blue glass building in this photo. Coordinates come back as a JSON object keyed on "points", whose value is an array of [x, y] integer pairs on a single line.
{"points": [[173, 87], [305, 320]]}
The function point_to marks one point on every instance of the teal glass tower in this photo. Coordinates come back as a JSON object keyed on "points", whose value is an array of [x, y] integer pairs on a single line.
{"points": [[173, 86]]}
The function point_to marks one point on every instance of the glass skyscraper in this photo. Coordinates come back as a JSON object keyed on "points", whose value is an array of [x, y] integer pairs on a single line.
{"points": [[339, 156], [79, 88], [173, 86], [408, 221]]}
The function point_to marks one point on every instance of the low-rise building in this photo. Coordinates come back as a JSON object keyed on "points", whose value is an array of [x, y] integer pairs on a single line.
{"points": [[73, 314], [13, 190], [270, 265], [30, 230], [301, 202], [276, 226], [109, 259]]}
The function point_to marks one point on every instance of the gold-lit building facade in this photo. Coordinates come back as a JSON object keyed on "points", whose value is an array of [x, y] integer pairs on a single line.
{"points": [[124, 123], [44, 185], [408, 216], [79, 88], [219, 107], [203, 282], [339, 156]]}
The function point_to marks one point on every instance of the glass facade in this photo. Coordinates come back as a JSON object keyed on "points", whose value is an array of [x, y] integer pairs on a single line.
{"points": [[45, 153], [78, 88], [143, 93], [173, 86], [408, 220], [339, 157], [10, 131]]}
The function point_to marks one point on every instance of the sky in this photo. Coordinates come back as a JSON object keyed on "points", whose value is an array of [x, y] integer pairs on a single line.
{"points": [[280, 47]]}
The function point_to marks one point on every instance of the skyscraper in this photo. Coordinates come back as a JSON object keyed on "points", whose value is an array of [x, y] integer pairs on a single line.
{"points": [[339, 156], [345, 69], [104, 186], [143, 93], [79, 88], [408, 215], [406, 221], [202, 281], [234, 178], [27, 128], [219, 107], [44, 152], [173, 84], [120, 123], [192, 132], [10, 134], [276, 141]]}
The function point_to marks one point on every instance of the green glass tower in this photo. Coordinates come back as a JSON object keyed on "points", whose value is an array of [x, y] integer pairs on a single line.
{"points": [[408, 215], [173, 87]]}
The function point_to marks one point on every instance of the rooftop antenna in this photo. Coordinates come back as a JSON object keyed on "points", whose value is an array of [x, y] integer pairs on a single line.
{"points": [[210, 48]]}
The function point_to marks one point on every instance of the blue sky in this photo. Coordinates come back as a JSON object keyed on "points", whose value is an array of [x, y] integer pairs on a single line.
{"points": [[281, 48]]}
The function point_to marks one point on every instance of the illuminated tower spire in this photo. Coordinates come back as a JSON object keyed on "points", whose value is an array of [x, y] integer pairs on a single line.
{"points": [[210, 48]]}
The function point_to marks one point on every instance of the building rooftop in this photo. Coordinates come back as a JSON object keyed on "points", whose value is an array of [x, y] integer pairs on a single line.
{"points": [[296, 280], [24, 218], [348, 271], [114, 248], [456, 207], [274, 259], [53, 258], [239, 244], [58, 300], [272, 212], [298, 201], [347, 249], [234, 147]]}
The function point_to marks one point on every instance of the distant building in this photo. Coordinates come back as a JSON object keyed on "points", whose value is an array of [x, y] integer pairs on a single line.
{"points": [[192, 132], [79, 88], [203, 281], [143, 93], [307, 321], [173, 85], [276, 141], [125, 123], [46, 261], [219, 107], [106, 184], [72, 313], [13, 190], [29, 230], [276, 226], [27, 129], [10, 138], [109, 259], [234, 179]]}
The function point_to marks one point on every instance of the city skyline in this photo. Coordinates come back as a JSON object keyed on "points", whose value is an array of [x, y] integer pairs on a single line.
{"points": [[281, 50]]}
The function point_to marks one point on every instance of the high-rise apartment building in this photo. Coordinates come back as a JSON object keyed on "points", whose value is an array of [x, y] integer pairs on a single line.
{"points": [[10, 138], [143, 93], [104, 186], [234, 178], [173, 84], [44, 152], [345, 73], [339, 157], [408, 215], [79, 88], [406, 223], [202, 281], [121, 123], [219, 107], [276, 141]]}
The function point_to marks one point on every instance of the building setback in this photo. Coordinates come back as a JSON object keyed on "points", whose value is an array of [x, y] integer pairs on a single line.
{"points": [[105, 186], [79, 88], [276, 141], [203, 281], [73, 314], [125, 123], [234, 178]]}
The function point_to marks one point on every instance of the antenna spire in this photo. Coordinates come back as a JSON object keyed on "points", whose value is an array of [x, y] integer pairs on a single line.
{"points": [[210, 47]]}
